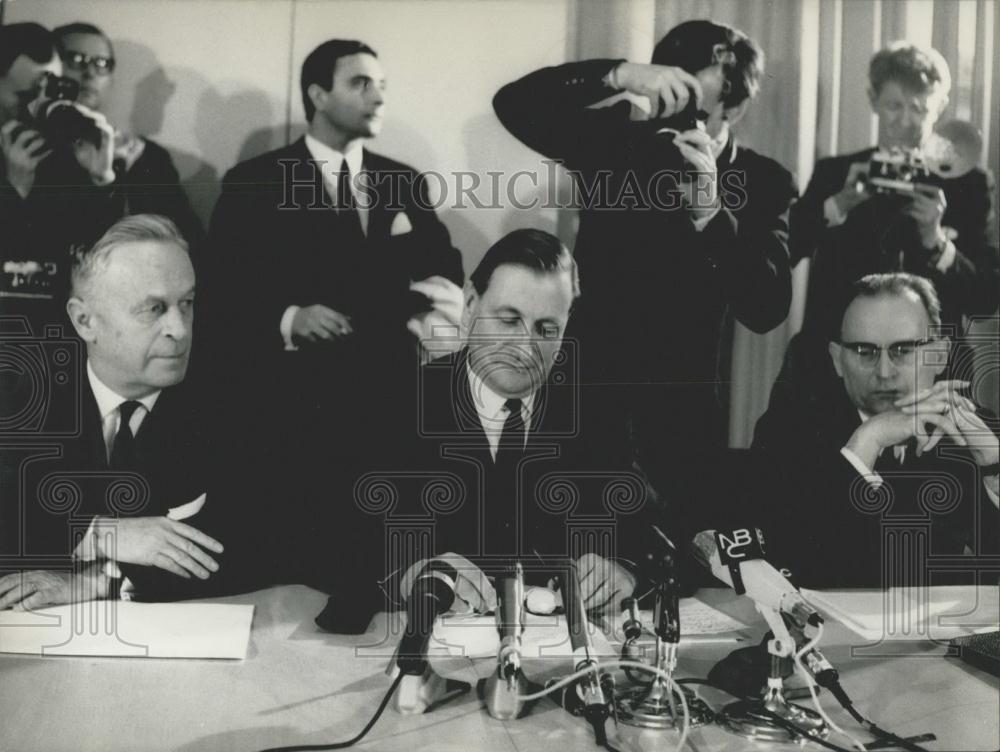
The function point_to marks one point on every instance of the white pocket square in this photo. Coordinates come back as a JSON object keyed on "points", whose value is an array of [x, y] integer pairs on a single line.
{"points": [[400, 224]]}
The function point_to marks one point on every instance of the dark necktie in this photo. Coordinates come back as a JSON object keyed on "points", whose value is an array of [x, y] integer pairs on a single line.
{"points": [[123, 455], [502, 488], [511, 444], [346, 209]]}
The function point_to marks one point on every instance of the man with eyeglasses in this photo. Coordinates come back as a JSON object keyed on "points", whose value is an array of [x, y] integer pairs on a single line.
{"points": [[146, 180], [896, 443], [681, 228], [943, 228], [52, 196]]}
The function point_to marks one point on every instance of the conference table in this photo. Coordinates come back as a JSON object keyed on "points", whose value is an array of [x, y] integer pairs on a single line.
{"points": [[300, 685]]}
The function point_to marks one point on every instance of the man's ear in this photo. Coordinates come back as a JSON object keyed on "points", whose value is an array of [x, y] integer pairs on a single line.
{"points": [[942, 104], [316, 94], [81, 317], [938, 355], [735, 114], [872, 98], [834, 349]]}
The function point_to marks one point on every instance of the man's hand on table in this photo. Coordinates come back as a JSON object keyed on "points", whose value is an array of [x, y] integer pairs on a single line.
{"points": [[603, 585], [27, 591]]}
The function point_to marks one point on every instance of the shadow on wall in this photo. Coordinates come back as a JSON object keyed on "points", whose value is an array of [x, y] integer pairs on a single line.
{"points": [[538, 194], [219, 117]]}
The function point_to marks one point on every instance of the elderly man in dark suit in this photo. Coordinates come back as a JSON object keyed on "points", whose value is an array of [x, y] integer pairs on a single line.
{"points": [[895, 478], [677, 231], [128, 497]]}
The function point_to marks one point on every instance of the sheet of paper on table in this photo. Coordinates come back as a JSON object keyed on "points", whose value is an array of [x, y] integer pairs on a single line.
{"points": [[129, 629], [475, 636], [930, 613], [700, 622]]}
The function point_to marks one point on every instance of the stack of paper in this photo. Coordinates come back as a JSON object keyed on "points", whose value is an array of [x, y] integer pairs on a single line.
{"points": [[930, 613], [123, 628]]}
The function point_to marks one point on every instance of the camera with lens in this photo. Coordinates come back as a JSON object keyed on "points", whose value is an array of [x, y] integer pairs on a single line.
{"points": [[659, 145], [55, 115], [895, 172]]}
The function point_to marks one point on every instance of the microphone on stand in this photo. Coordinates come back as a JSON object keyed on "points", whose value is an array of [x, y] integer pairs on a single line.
{"points": [[774, 597], [653, 704], [501, 689], [432, 594], [761, 582], [591, 695]]}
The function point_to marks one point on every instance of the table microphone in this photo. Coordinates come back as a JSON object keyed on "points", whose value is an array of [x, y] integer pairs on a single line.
{"points": [[507, 682], [764, 584], [432, 594], [591, 695]]}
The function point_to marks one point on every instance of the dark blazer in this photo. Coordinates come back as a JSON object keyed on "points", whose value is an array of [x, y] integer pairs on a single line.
{"points": [[832, 529], [433, 485], [276, 241], [876, 237], [656, 293], [63, 486]]}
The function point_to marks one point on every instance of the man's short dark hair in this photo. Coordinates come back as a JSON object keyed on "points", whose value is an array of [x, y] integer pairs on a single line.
{"points": [[30, 39], [898, 283], [537, 250], [321, 63], [80, 27], [915, 68], [692, 45]]}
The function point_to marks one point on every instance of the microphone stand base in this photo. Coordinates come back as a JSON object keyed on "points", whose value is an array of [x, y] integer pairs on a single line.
{"points": [[747, 719], [500, 698], [650, 707], [422, 693]]}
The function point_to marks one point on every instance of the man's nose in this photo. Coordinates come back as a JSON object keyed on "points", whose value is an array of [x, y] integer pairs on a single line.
{"points": [[886, 368], [375, 96], [175, 324]]}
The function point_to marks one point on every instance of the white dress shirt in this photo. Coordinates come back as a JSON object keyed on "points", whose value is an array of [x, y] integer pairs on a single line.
{"points": [[329, 160], [493, 412], [108, 404]]}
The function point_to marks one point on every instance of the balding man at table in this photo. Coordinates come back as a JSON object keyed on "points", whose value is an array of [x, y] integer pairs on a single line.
{"points": [[132, 304]]}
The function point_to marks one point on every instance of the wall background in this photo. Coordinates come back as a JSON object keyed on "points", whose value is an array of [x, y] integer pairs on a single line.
{"points": [[216, 82]]}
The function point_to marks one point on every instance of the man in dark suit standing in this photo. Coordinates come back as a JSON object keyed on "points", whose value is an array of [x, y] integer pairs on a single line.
{"points": [[315, 248], [110, 505], [674, 228], [324, 235], [502, 456], [893, 479], [943, 230]]}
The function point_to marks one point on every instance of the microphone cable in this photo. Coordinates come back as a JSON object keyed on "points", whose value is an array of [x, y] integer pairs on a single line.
{"points": [[356, 739], [672, 684], [833, 685], [778, 720], [811, 686]]}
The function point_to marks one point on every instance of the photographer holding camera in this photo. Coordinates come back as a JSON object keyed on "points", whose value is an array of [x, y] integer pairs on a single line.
{"points": [[854, 220], [55, 173], [146, 180], [679, 225]]}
